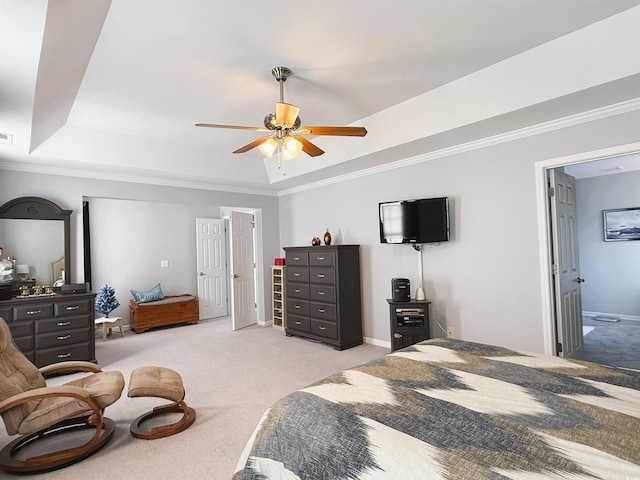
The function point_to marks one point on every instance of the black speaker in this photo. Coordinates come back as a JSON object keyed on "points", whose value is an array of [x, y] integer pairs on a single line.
{"points": [[400, 289]]}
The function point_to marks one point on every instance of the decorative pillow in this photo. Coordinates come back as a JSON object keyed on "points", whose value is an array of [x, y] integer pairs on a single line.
{"points": [[151, 296]]}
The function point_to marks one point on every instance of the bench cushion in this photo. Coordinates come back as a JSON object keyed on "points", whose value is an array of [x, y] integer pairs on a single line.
{"points": [[169, 299], [141, 296]]}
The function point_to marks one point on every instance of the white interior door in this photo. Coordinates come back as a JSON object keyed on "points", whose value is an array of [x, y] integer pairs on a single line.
{"points": [[566, 265], [211, 267], [243, 304]]}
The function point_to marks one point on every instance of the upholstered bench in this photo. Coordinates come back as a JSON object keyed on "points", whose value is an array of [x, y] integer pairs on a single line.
{"points": [[161, 383]]}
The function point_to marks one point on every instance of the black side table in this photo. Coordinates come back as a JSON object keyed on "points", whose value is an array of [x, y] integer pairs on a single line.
{"points": [[409, 322]]}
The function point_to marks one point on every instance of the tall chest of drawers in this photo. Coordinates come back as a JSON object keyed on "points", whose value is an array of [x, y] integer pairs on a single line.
{"points": [[323, 298], [52, 329]]}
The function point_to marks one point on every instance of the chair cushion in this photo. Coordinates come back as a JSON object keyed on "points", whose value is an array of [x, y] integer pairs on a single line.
{"points": [[17, 375], [103, 387], [149, 296]]}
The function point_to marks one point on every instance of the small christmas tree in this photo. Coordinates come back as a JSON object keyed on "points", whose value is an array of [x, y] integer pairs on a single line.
{"points": [[106, 301]]}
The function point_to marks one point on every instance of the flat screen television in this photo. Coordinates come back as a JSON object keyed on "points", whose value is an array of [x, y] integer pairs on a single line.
{"points": [[414, 221]]}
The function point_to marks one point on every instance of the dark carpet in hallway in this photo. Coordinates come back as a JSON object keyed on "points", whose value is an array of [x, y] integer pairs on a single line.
{"points": [[613, 343]]}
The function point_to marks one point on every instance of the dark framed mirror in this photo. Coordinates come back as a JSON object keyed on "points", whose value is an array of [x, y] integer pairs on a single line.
{"points": [[35, 236]]}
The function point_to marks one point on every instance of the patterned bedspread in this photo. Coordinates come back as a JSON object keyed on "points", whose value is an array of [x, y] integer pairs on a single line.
{"points": [[450, 409]]}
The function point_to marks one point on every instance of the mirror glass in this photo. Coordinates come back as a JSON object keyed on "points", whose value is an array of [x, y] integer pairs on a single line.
{"points": [[35, 238], [37, 245]]}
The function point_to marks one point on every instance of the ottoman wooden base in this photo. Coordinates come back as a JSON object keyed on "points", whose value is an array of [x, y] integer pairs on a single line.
{"points": [[161, 383]]}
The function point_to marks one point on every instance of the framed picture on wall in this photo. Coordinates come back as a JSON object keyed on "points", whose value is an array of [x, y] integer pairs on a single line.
{"points": [[621, 224]]}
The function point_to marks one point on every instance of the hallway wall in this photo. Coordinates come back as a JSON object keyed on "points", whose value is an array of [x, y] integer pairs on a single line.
{"points": [[610, 269]]}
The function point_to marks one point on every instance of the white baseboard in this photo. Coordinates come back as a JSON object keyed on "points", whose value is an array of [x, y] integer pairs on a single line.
{"points": [[376, 342], [621, 316]]}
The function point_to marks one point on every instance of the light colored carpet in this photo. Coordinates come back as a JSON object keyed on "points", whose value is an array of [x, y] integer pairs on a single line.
{"points": [[230, 379]]}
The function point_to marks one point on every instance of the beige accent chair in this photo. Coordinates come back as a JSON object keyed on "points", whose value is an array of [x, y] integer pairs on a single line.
{"points": [[34, 411]]}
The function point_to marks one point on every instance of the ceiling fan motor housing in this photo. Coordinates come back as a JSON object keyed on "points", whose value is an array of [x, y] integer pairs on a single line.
{"points": [[270, 122]]}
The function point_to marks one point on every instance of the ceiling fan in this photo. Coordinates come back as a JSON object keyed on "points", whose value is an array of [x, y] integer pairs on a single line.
{"points": [[285, 132]]}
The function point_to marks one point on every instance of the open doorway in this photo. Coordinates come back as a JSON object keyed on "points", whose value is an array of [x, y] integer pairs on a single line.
{"points": [[594, 160]]}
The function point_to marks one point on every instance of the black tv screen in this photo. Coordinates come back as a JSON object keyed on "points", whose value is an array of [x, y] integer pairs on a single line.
{"points": [[414, 221]]}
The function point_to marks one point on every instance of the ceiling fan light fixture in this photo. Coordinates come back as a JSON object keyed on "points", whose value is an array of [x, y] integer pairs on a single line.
{"points": [[268, 146], [291, 147]]}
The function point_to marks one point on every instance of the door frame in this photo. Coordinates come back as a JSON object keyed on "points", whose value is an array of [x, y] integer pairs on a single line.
{"points": [[544, 230]]}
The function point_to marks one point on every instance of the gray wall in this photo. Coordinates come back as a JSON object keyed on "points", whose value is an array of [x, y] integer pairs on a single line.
{"points": [[129, 239], [611, 269], [485, 282], [137, 225]]}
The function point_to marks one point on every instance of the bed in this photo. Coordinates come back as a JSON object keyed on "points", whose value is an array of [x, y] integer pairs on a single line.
{"points": [[450, 409]]}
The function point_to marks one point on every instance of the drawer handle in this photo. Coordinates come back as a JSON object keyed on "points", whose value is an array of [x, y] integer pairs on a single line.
{"points": [[64, 355], [34, 312], [297, 290], [298, 306], [296, 258], [319, 258], [322, 293], [321, 275], [321, 310], [63, 324], [298, 322], [73, 307], [296, 274], [322, 328], [64, 337]]}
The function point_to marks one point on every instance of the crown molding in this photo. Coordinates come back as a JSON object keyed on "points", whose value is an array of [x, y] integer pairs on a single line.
{"points": [[533, 130]]}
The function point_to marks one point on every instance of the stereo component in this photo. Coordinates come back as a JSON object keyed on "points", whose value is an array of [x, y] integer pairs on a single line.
{"points": [[400, 289]]}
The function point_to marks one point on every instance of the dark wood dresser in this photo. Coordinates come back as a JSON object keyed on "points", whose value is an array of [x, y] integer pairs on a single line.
{"points": [[323, 299], [52, 329]]}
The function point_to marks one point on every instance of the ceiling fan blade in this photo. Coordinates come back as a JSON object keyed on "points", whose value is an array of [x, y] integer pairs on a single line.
{"points": [[286, 114], [237, 127], [251, 145], [309, 148], [339, 131]]}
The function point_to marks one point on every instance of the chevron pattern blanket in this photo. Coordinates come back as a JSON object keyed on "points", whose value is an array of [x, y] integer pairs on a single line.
{"points": [[449, 409]]}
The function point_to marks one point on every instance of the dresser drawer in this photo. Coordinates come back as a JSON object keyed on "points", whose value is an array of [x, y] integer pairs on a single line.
{"points": [[81, 351], [72, 307], [23, 343], [296, 258], [298, 290], [6, 313], [21, 329], [322, 311], [321, 258], [298, 307], [301, 324], [324, 329], [323, 293], [62, 338], [322, 275], [33, 312], [53, 325], [297, 274]]}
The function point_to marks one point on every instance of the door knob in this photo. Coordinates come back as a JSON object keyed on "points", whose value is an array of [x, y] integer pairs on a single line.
{"points": [[201, 273], [579, 280], [235, 275]]}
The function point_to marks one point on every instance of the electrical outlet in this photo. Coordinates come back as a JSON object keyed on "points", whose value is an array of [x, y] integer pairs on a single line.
{"points": [[450, 332], [164, 263]]}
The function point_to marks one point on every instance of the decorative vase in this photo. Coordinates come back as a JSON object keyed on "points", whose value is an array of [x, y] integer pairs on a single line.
{"points": [[327, 237], [315, 241]]}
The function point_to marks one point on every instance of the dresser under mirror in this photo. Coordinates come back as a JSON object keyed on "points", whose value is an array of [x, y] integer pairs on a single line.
{"points": [[47, 325]]}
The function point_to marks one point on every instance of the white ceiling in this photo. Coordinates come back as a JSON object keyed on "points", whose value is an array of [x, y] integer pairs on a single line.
{"points": [[112, 89]]}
